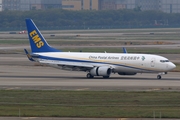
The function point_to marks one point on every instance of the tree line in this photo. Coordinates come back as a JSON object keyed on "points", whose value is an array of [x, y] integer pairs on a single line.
{"points": [[59, 19]]}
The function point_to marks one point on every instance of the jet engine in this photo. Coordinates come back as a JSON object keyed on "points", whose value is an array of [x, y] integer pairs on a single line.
{"points": [[101, 71], [127, 73]]}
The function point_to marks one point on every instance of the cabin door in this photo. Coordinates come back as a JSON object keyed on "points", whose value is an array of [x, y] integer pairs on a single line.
{"points": [[153, 62]]}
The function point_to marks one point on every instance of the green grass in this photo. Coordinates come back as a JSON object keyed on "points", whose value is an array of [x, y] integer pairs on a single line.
{"points": [[14, 42], [89, 103]]}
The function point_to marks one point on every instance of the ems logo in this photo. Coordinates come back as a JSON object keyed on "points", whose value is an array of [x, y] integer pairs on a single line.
{"points": [[143, 58]]}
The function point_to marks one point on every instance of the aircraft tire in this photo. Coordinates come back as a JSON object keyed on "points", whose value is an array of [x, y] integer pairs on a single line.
{"points": [[159, 77], [89, 76], [105, 77]]}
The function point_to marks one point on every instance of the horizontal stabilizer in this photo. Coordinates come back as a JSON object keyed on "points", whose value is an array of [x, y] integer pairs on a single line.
{"points": [[28, 55]]}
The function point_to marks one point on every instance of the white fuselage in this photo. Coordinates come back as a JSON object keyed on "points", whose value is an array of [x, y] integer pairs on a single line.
{"points": [[139, 63]]}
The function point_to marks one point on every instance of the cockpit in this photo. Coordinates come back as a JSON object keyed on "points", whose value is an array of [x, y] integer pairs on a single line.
{"points": [[163, 61]]}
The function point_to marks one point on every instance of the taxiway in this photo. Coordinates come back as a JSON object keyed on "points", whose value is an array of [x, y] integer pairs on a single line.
{"points": [[18, 73]]}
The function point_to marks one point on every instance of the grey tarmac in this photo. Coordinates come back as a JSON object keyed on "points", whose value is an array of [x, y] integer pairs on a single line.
{"points": [[17, 72], [56, 118], [47, 78]]}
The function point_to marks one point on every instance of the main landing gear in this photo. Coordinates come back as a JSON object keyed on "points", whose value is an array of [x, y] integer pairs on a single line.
{"points": [[90, 76], [158, 76], [106, 77]]}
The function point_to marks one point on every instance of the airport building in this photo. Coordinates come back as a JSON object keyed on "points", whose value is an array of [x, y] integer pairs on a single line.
{"points": [[112, 4], [80, 4], [98, 4], [0, 5], [128, 4], [169, 6], [147, 4], [25, 5]]}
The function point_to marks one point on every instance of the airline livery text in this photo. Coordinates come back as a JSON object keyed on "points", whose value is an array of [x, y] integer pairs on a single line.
{"points": [[116, 57], [37, 40]]}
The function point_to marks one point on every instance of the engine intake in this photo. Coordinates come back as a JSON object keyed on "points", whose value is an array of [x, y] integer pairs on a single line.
{"points": [[101, 71]]}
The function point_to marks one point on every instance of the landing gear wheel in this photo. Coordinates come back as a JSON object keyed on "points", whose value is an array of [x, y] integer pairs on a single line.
{"points": [[159, 77], [89, 76], [106, 77]]}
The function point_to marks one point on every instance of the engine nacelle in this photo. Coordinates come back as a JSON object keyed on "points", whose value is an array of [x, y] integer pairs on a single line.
{"points": [[127, 73], [101, 71]]}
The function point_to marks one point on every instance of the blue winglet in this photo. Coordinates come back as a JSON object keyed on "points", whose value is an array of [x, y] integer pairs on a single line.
{"points": [[124, 50], [28, 55], [36, 39]]}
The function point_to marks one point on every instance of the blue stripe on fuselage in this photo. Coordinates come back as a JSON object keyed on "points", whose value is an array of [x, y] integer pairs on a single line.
{"points": [[86, 61]]}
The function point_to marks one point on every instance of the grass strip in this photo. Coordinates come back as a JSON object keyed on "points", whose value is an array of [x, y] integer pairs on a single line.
{"points": [[89, 103]]}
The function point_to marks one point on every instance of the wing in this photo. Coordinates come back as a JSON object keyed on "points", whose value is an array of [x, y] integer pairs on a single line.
{"points": [[73, 66]]}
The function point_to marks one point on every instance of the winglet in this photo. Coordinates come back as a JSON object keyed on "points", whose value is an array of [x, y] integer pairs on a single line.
{"points": [[36, 39], [28, 55], [124, 50]]}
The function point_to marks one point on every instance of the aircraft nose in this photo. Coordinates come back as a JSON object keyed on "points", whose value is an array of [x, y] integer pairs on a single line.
{"points": [[172, 66]]}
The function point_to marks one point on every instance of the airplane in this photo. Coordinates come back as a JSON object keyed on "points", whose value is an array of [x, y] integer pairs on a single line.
{"points": [[95, 64]]}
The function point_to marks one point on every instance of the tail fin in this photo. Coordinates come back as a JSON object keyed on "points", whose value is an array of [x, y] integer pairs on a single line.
{"points": [[37, 41], [124, 50]]}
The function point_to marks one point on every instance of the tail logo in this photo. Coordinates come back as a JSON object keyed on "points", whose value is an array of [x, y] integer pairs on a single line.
{"points": [[36, 39]]}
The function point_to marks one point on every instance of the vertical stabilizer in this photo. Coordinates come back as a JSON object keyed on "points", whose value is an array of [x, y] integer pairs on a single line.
{"points": [[37, 41], [124, 50]]}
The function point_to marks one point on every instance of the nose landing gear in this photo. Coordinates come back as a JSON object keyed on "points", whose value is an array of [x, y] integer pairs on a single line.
{"points": [[159, 75]]}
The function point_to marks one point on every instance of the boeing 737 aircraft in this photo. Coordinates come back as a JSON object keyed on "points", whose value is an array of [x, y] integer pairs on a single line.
{"points": [[95, 64]]}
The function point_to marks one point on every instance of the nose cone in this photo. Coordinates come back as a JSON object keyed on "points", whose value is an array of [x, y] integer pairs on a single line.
{"points": [[171, 66]]}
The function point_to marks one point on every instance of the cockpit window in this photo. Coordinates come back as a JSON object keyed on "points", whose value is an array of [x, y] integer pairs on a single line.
{"points": [[163, 61]]}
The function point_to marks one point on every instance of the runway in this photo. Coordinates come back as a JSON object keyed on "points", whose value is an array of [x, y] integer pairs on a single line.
{"points": [[18, 73]]}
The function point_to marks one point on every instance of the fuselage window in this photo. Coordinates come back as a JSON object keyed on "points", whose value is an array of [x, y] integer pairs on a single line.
{"points": [[163, 61]]}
